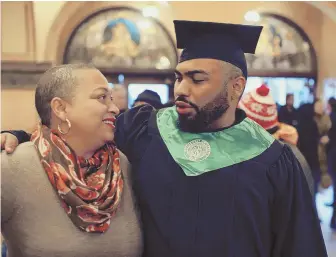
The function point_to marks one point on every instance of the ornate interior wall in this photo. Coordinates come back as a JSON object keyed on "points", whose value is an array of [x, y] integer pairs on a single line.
{"points": [[37, 32]]}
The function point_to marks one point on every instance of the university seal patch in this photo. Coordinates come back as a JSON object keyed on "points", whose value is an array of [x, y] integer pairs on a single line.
{"points": [[197, 150]]}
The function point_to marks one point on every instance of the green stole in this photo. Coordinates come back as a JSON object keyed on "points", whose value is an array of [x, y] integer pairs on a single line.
{"points": [[199, 153]]}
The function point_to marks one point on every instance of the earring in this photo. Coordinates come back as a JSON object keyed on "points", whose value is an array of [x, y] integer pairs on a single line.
{"points": [[62, 132]]}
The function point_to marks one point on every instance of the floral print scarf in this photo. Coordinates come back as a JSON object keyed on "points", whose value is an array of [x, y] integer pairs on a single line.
{"points": [[89, 190]]}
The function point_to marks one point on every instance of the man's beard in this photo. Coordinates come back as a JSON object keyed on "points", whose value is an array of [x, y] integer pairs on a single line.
{"points": [[205, 116]]}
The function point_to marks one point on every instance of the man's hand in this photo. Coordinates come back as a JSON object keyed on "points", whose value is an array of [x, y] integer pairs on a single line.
{"points": [[9, 142]]}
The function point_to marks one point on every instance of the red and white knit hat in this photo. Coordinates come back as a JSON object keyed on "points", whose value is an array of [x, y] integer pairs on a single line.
{"points": [[260, 106]]}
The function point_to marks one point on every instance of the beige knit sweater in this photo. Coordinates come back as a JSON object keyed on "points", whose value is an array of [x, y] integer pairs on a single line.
{"points": [[34, 224]]}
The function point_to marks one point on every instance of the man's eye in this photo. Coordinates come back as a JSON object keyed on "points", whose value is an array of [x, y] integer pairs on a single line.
{"points": [[179, 79], [102, 97], [198, 81]]}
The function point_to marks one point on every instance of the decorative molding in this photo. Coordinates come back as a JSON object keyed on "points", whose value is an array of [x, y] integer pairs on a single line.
{"points": [[30, 54], [327, 8], [21, 74]]}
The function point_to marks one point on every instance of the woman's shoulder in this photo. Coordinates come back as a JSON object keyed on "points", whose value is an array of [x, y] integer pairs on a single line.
{"points": [[24, 153], [22, 150], [15, 170]]}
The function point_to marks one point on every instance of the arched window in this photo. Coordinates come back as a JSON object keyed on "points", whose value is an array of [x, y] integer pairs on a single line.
{"points": [[121, 38], [282, 47], [285, 59]]}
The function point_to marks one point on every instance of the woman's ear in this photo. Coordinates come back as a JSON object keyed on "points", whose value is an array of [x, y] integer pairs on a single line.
{"points": [[58, 107]]}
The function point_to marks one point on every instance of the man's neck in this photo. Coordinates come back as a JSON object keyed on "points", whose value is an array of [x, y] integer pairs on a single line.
{"points": [[289, 107], [226, 120]]}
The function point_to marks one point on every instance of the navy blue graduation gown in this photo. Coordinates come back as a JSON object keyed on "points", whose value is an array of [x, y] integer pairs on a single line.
{"points": [[258, 208]]}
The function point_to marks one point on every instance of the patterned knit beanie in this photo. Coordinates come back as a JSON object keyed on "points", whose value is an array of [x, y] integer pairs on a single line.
{"points": [[260, 106]]}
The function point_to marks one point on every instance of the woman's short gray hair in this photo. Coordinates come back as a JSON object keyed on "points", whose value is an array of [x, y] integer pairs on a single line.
{"points": [[59, 81]]}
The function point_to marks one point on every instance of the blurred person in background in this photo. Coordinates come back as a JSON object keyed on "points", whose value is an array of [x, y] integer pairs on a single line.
{"points": [[3, 248], [313, 128], [260, 106], [332, 109], [287, 113], [148, 97], [331, 151], [120, 97]]}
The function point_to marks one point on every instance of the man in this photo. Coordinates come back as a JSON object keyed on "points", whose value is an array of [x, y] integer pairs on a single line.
{"points": [[120, 97], [331, 148], [148, 97], [287, 113], [210, 182], [313, 128]]}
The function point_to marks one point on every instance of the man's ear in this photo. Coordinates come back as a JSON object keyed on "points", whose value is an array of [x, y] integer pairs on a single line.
{"points": [[238, 88], [58, 107]]}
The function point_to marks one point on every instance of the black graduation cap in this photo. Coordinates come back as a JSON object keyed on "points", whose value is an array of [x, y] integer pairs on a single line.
{"points": [[220, 41]]}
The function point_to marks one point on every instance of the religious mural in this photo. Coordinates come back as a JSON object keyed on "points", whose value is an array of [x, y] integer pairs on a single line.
{"points": [[121, 38], [281, 48]]}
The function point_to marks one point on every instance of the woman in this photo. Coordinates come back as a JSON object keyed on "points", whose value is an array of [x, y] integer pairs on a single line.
{"points": [[68, 192], [261, 107]]}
